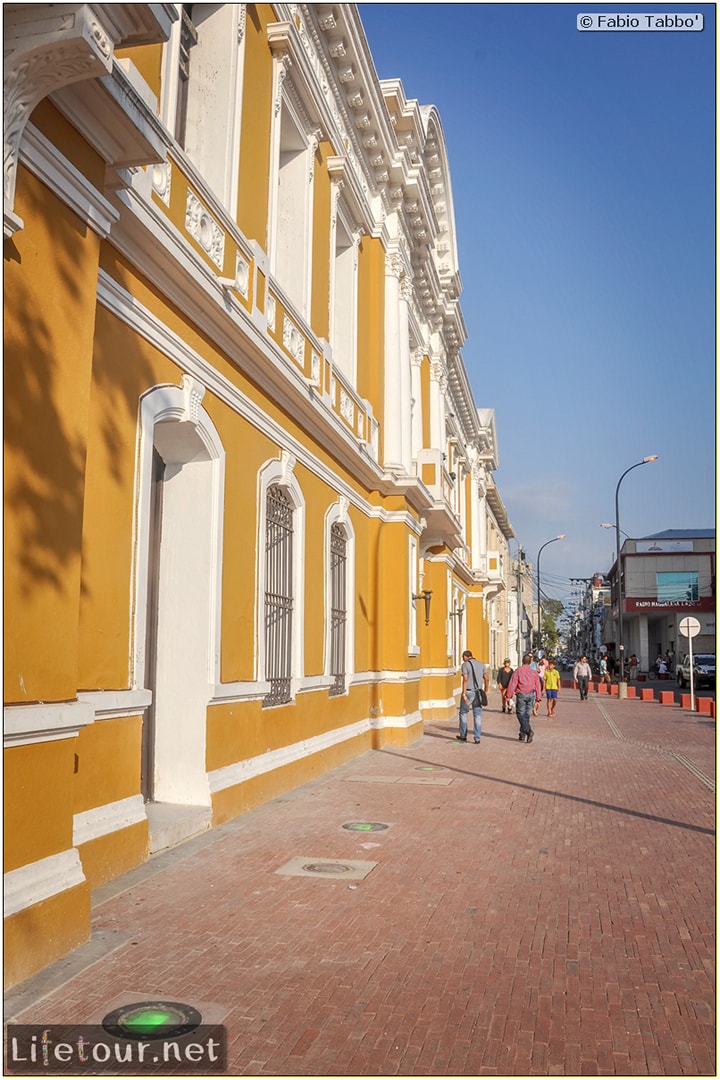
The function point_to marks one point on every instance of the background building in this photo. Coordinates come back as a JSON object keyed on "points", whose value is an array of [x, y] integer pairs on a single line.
{"points": [[250, 515], [666, 576]]}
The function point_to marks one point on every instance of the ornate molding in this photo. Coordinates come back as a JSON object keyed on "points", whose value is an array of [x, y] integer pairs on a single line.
{"points": [[193, 394], [40, 62], [204, 229]]}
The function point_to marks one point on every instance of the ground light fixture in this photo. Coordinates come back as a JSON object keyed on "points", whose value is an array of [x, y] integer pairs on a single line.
{"points": [[152, 1020], [551, 541], [622, 687]]}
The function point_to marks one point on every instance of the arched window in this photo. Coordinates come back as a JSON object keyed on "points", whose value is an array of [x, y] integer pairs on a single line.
{"points": [[278, 596]]}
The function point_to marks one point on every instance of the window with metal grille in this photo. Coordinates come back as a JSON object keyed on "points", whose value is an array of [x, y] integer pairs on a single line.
{"points": [[338, 607], [278, 596]]}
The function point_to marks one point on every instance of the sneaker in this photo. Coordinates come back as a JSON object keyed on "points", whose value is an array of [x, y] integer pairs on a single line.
{"points": [[476, 741], [530, 736], [521, 737], [461, 738]]}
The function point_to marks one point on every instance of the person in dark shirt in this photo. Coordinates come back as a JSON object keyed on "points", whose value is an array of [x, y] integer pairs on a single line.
{"points": [[503, 680]]}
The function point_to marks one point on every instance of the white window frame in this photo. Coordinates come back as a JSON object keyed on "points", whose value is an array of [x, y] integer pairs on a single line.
{"points": [[218, 99], [337, 514], [280, 472]]}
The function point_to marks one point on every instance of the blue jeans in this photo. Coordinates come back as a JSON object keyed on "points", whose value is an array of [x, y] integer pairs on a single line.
{"points": [[523, 709], [477, 720]]}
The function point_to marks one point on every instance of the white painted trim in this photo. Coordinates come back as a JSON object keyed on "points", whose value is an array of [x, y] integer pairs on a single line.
{"points": [[158, 404], [110, 704], [337, 513], [25, 724], [110, 818], [231, 775], [40, 880], [280, 471], [45, 161], [143, 322], [448, 703], [403, 722], [223, 693]]}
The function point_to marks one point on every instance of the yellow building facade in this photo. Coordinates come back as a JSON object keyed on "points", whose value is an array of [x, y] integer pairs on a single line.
{"points": [[250, 516]]}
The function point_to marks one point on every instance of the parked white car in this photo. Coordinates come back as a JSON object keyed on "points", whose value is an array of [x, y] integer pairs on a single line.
{"points": [[703, 670]]}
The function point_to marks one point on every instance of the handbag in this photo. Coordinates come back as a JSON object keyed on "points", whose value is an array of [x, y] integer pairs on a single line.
{"points": [[479, 692]]}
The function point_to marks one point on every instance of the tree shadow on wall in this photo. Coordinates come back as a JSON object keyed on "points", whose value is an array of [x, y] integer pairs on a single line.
{"points": [[49, 375]]}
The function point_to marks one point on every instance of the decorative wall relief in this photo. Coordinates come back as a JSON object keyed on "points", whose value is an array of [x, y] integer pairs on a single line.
{"points": [[294, 342], [204, 229]]}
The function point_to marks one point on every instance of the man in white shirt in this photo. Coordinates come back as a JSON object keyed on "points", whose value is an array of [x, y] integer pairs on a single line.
{"points": [[582, 673]]}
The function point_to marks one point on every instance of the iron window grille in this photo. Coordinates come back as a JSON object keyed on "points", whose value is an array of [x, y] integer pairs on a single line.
{"points": [[338, 607], [278, 596]]}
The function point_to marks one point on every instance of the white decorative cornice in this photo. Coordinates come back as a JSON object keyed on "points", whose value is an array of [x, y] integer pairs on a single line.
{"points": [[45, 161], [40, 56]]}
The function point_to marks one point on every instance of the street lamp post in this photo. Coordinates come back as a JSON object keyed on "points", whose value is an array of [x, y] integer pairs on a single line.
{"points": [[622, 685], [609, 525], [560, 537]]}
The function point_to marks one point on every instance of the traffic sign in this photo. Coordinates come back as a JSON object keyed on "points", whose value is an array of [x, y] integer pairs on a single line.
{"points": [[689, 626]]}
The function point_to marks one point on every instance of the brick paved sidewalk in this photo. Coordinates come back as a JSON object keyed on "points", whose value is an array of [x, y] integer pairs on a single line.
{"points": [[533, 910]]}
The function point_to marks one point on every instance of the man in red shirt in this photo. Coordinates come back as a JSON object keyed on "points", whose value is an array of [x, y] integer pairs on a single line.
{"points": [[526, 687]]}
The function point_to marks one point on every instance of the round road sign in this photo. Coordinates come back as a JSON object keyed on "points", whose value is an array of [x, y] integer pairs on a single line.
{"points": [[689, 626]]}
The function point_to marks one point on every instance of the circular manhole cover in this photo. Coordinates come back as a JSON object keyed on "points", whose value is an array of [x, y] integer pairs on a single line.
{"points": [[327, 868], [152, 1019], [365, 826]]}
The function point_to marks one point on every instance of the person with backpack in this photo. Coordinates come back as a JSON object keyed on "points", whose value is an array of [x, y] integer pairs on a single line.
{"points": [[473, 695]]}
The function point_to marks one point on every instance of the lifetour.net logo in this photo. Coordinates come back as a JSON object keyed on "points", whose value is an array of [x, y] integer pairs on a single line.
{"points": [[90, 1050], [684, 20]]}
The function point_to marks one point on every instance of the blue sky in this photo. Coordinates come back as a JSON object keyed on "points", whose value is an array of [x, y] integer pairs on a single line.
{"points": [[583, 175]]}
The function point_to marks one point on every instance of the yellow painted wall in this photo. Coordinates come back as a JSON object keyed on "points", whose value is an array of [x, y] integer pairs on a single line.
{"points": [[425, 384], [50, 284], [371, 327], [44, 932], [38, 787], [260, 789], [70, 142], [148, 60], [116, 740], [124, 367], [254, 178], [107, 857]]}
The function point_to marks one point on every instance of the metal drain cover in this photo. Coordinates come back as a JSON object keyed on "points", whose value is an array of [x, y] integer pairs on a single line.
{"points": [[365, 826], [307, 866]]}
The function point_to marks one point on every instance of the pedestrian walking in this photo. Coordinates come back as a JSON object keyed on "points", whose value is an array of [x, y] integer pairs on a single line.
{"points": [[552, 688], [503, 678], [581, 676], [633, 666], [525, 686], [604, 673], [475, 681]]}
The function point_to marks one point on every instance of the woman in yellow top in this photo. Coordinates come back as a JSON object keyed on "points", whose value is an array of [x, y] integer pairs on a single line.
{"points": [[552, 687]]}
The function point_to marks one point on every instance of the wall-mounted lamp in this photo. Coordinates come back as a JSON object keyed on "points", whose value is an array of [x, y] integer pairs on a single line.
{"points": [[425, 595], [453, 476], [459, 616]]}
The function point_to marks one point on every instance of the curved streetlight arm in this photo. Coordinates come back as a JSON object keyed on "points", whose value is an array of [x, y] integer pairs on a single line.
{"points": [[621, 644], [552, 541]]}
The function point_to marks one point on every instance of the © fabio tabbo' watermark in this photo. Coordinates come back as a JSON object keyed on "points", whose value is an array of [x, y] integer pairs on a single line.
{"points": [[684, 20], [90, 1050]]}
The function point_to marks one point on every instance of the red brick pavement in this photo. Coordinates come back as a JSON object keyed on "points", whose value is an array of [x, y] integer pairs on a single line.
{"points": [[548, 912]]}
